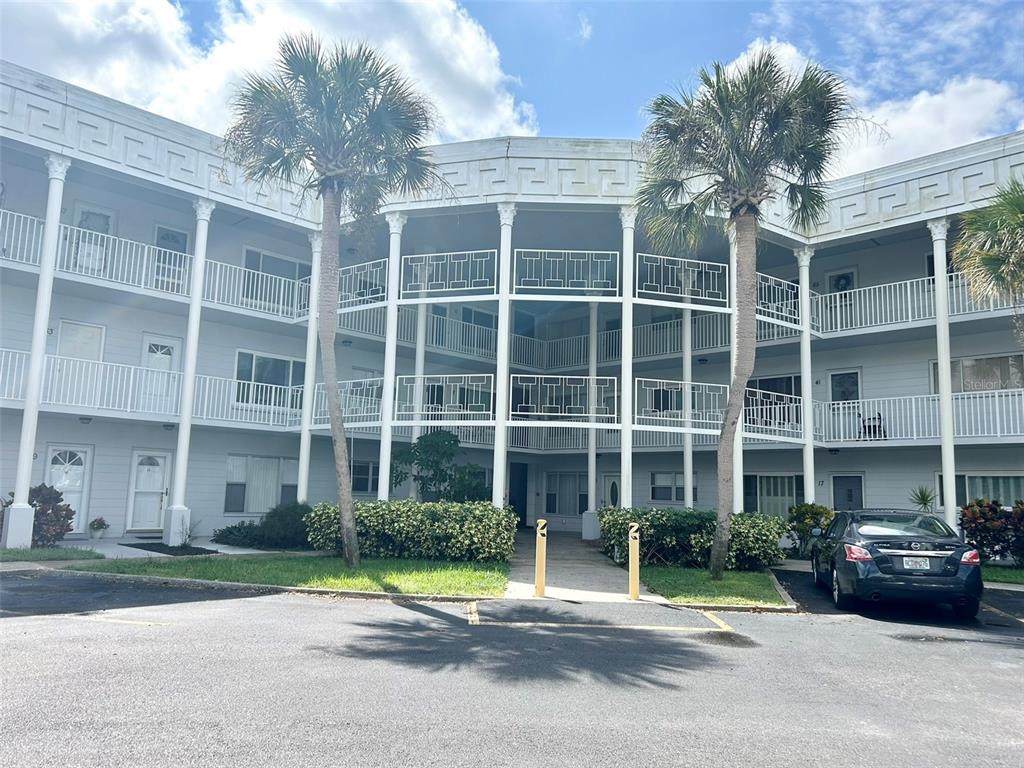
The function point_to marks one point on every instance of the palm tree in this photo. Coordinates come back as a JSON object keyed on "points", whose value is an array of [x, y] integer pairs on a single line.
{"points": [[990, 248], [349, 128], [745, 135]]}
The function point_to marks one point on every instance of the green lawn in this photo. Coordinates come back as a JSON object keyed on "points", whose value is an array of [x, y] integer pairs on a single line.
{"points": [[1002, 573], [385, 575], [36, 554], [693, 585]]}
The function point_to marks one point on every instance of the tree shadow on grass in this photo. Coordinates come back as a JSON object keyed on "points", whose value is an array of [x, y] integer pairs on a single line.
{"points": [[442, 640]]}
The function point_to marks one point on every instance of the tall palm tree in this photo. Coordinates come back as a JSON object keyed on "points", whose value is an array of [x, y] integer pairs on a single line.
{"points": [[723, 151], [348, 127], [990, 248]]}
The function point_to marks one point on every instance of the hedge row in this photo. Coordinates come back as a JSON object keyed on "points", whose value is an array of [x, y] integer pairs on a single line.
{"points": [[438, 530], [683, 537], [994, 530]]}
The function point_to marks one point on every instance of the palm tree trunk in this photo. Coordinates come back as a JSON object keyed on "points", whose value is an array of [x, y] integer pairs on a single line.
{"points": [[745, 226], [327, 326]]}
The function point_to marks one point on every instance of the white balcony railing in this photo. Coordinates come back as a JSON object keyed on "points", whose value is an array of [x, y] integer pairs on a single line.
{"points": [[444, 397], [669, 278], [777, 299], [245, 402], [127, 262], [13, 369], [362, 284], [772, 414], [564, 398], [360, 402], [232, 286], [592, 273], [451, 274], [102, 386], [685, 405], [21, 237]]}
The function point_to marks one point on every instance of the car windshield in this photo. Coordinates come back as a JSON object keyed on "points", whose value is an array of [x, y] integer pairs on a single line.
{"points": [[902, 525]]}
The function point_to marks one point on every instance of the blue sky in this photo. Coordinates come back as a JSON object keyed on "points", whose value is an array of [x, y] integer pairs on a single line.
{"points": [[931, 73]]}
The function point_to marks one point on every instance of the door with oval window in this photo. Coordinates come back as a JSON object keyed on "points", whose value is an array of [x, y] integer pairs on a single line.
{"points": [[612, 491], [150, 483], [67, 470]]}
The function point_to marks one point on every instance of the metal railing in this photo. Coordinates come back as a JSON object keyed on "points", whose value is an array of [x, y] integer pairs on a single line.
{"points": [[13, 370], [440, 397], [362, 284], [669, 278], [574, 272], [778, 299], [232, 286], [98, 385], [21, 237], [360, 401], [564, 398], [454, 273], [772, 414], [245, 402], [685, 405]]}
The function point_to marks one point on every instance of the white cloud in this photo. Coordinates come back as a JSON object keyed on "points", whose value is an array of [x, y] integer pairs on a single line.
{"points": [[586, 29], [139, 51]]}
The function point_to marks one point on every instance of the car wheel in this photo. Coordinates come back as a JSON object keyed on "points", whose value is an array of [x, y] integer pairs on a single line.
{"points": [[967, 610], [842, 601], [818, 583]]}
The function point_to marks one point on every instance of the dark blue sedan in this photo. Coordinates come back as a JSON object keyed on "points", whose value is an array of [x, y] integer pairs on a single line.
{"points": [[890, 554]]}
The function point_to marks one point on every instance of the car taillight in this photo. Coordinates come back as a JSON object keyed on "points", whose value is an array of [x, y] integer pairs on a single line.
{"points": [[855, 553], [971, 557]]}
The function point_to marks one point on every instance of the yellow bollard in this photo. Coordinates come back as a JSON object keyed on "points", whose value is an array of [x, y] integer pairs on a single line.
{"points": [[542, 555], [634, 561]]}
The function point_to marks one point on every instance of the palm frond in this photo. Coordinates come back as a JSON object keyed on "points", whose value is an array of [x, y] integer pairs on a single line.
{"points": [[990, 248]]}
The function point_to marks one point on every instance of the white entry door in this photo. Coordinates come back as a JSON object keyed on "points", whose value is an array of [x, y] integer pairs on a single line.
{"points": [[612, 491], [158, 392], [67, 470], [150, 482], [77, 377]]}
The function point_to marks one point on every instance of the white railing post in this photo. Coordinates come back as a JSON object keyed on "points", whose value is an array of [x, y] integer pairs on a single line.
{"points": [[506, 216], [938, 228], [688, 499], [591, 527], [803, 258], [396, 222], [19, 519], [309, 379], [627, 215], [177, 517]]}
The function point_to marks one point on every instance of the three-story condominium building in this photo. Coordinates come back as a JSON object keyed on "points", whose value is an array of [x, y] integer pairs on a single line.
{"points": [[158, 365]]}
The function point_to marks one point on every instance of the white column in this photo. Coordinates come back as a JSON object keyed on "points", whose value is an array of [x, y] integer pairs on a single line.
{"points": [[938, 229], [309, 380], [177, 519], [687, 407], [421, 349], [803, 259], [737, 456], [396, 222], [506, 215], [591, 527], [627, 215], [18, 520]]}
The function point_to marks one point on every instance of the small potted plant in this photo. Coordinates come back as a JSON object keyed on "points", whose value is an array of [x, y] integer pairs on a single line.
{"points": [[97, 527]]}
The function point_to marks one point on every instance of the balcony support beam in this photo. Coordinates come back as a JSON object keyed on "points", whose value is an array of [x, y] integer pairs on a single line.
{"points": [[688, 500], [309, 379], [396, 223], [803, 259], [419, 365], [939, 228], [627, 215], [506, 217], [177, 517], [591, 527], [737, 453], [19, 519]]}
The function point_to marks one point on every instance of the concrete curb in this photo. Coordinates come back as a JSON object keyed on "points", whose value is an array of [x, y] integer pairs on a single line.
{"points": [[789, 601], [272, 589]]}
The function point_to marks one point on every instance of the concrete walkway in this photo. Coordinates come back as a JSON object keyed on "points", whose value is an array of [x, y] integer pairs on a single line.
{"points": [[577, 571], [114, 549]]}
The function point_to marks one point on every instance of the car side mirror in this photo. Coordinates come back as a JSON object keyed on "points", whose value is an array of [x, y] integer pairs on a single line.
{"points": [[815, 532]]}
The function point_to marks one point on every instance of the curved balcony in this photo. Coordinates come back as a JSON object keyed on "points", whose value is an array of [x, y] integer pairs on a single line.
{"points": [[448, 276], [538, 273]]}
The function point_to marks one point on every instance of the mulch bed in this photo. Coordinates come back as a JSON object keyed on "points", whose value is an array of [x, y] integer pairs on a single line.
{"points": [[164, 549]]}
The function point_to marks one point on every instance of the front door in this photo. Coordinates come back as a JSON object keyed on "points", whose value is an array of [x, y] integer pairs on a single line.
{"points": [[151, 474], [77, 377], [158, 392], [847, 492], [612, 491], [776, 494], [67, 470], [517, 490]]}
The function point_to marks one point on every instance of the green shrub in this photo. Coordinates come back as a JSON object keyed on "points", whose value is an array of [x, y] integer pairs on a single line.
{"points": [[664, 533], [52, 517], [993, 530], [753, 542], [283, 527], [805, 517], [427, 530], [243, 534]]}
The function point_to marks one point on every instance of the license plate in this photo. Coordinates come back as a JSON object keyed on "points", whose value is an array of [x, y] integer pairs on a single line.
{"points": [[915, 563]]}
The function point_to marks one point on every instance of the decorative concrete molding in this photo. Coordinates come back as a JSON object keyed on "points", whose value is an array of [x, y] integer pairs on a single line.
{"points": [[627, 215], [506, 214], [803, 256], [203, 208], [316, 242], [57, 166], [396, 222], [938, 228]]}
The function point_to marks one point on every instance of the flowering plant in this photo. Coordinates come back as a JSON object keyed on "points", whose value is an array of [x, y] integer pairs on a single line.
{"points": [[98, 524]]}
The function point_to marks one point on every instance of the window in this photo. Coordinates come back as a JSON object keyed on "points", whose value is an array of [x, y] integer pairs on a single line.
{"points": [[783, 385], [983, 374], [257, 483], [669, 486], [280, 266], [566, 494], [475, 316], [844, 386], [365, 476], [267, 380], [265, 292], [523, 324], [1005, 489]]}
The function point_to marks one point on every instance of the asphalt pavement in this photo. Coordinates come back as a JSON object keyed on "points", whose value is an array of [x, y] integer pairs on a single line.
{"points": [[98, 672]]}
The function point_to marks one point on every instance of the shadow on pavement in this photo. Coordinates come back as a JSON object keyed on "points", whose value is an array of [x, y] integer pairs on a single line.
{"points": [[440, 640], [43, 593], [818, 601]]}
